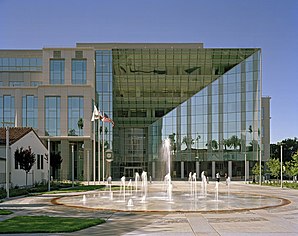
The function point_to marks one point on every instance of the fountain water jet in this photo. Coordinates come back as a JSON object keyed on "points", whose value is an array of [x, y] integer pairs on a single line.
{"points": [[203, 184], [122, 187], [137, 178], [168, 179]]}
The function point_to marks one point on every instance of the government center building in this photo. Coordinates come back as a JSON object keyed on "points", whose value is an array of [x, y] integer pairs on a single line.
{"points": [[207, 102]]}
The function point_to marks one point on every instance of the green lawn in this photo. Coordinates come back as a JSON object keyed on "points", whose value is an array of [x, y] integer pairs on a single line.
{"points": [[5, 212], [46, 224]]}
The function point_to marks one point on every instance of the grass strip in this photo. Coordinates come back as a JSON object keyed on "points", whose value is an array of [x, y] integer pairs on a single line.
{"points": [[46, 224], [5, 212]]}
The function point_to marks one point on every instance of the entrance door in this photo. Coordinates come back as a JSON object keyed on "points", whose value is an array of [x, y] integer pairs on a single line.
{"points": [[130, 171]]}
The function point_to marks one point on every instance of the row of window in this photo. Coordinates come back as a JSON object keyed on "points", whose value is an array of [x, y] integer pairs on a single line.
{"points": [[52, 113], [78, 69], [20, 64]]}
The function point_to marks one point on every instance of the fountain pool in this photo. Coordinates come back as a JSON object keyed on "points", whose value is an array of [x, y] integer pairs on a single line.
{"points": [[182, 199]]}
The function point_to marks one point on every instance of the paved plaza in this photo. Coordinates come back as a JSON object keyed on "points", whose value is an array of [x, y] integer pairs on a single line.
{"points": [[275, 214]]}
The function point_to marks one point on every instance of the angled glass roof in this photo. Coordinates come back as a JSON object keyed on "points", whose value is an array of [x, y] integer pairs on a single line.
{"points": [[149, 83]]}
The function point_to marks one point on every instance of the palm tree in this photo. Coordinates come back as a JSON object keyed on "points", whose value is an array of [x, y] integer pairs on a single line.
{"points": [[212, 144], [189, 141], [235, 142]]}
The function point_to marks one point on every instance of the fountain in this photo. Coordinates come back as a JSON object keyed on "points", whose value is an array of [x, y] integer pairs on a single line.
{"points": [[161, 197], [144, 185], [203, 184], [216, 191], [137, 178], [129, 186], [168, 179], [122, 187], [130, 203], [84, 199]]}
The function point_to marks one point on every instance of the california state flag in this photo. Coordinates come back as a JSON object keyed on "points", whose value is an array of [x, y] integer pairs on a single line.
{"points": [[95, 114]]}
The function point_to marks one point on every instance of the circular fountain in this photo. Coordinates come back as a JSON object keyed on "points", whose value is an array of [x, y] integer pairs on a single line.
{"points": [[168, 196]]}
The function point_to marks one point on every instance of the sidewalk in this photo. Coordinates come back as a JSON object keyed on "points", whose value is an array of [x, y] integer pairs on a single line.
{"points": [[272, 221]]}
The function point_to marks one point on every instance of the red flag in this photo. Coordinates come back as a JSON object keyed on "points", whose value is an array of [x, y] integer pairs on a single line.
{"points": [[105, 118]]}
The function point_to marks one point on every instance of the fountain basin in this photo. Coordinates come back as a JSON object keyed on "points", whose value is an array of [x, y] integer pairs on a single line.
{"points": [[182, 200]]}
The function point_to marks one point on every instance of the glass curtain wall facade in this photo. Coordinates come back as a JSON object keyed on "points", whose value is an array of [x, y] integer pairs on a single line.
{"points": [[221, 123], [207, 101], [104, 91]]}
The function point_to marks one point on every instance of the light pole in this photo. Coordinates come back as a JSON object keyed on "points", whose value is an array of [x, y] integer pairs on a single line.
{"points": [[7, 156], [72, 164], [88, 177], [281, 165], [7, 161], [49, 165], [281, 180], [245, 167]]}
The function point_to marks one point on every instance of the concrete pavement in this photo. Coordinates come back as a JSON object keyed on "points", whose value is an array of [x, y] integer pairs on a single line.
{"points": [[281, 220]]}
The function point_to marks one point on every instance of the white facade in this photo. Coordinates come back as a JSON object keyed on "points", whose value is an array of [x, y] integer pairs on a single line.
{"points": [[18, 176]]}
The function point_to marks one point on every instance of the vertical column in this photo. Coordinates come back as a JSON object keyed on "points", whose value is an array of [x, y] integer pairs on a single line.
{"points": [[230, 168], [88, 166], [198, 168], [7, 166], [49, 165], [213, 169], [182, 169], [247, 170], [153, 169], [72, 164]]}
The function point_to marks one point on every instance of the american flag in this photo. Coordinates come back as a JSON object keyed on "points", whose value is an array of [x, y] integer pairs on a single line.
{"points": [[106, 118]]}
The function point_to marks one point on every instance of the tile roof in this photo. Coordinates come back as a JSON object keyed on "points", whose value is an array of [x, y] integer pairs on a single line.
{"points": [[15, 133]]}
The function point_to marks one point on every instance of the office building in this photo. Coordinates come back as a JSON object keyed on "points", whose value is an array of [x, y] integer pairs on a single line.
{"points": [[206, 101]]}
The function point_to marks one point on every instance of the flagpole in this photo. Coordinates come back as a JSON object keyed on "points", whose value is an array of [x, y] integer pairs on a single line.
{"points": [[94, 147], [98, 135], [103, 152]]}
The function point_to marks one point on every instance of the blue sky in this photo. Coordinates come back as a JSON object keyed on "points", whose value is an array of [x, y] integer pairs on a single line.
{"points": [[268, 24]]}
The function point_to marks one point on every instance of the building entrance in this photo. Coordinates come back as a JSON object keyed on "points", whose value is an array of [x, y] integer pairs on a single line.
{"points": [[130, 171]]}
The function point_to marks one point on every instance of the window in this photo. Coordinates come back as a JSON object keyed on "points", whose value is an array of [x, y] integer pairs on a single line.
{"points": [[16, 83], [75, 115], [78, 71], [79, 54], [39, 162], [52, 116], [57, 54], [20, 64], [30, 111], [7, 110], [56, 71], [35, 83]]}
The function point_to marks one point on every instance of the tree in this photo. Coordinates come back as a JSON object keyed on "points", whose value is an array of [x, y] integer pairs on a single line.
{"points": [[226, 143], [189, 141], [291, 167], [25, 158], [55, 161], [235, 142], [256, 169], [274, 167], [289, 146], [212, 144], [173, 142], [80, 124]]}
